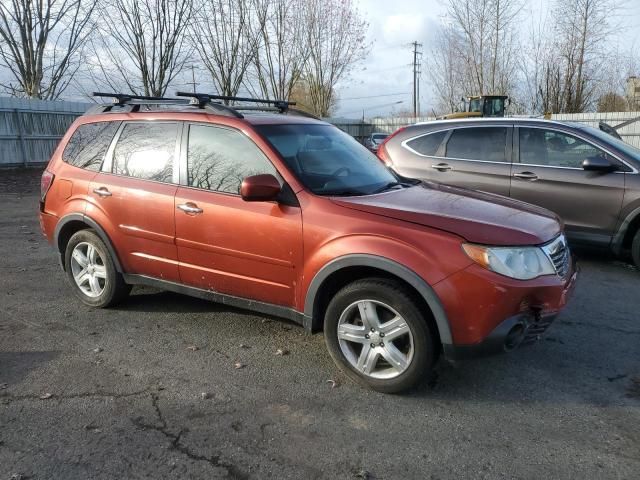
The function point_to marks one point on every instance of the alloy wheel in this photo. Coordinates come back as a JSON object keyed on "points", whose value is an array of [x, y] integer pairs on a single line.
{"points": [[375, 339], [88, 269]]}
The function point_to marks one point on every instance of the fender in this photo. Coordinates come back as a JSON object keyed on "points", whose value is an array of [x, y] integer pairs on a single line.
{"points": [[618, 238], [77, 217], [394, 268]]}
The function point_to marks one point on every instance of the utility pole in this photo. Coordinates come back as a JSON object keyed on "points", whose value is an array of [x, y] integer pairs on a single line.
{"points": [[417, 57], [193, 79]]}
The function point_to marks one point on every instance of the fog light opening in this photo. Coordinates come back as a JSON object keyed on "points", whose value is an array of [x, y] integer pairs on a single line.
{"points": [[514, 337]]}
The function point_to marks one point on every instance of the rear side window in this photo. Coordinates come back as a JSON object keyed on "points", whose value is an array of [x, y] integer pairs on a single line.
{"points": [[219, 159], [88, 145], [427, 144], [485, 143], [146, 151]]}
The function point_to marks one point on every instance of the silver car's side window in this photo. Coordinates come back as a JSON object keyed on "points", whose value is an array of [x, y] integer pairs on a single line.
{"points": [[487, 144], [554, 148], [427, 145]]}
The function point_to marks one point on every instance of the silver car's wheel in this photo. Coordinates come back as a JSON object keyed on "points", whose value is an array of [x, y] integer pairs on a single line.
{"points": [[88, 269], [375, 339]]}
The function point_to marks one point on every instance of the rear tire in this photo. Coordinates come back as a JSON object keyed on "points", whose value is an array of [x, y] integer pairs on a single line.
{"points": [[378, 336], [91, 271], [635, 249]]}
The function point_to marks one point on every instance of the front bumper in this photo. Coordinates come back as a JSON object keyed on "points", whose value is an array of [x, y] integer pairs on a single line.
{"points": [[509, 314]]}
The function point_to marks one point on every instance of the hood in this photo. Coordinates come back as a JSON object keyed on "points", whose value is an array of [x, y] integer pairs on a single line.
{"points": [[478, 217]]}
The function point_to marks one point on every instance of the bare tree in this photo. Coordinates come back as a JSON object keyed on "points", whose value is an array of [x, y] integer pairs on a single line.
{"points": [[444, 70], [279, 27], [144, 47], [476, 49], [574, 72], [225, 42], [41, 43], [335, 42]]}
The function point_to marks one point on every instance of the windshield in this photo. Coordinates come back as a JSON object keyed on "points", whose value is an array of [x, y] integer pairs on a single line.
{"points": [[475, 105], [379, 137], [328, 161], [624, 147]]}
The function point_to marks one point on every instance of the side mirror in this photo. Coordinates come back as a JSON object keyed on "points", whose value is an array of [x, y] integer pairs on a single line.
{"points": [[598, 164], [260, 188]]}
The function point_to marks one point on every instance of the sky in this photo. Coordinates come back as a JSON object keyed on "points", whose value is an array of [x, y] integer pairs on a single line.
{"points": [[386, 75]]}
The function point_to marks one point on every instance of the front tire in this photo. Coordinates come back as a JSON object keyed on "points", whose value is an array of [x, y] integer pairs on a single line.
{"points": [[92, 272], [378, 336]]}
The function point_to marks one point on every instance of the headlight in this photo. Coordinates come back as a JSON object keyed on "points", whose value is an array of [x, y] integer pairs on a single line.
{"points": [[522, 263]]}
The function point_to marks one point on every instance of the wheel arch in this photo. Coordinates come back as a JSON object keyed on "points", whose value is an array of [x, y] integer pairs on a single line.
{"points": [[72, 223], [347, 268]]}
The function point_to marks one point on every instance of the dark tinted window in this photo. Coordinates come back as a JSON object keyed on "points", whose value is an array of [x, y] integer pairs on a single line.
{"points": [[485, 143], [556, 149], [146, 151], [219, 159], [88, 144], [427, 144]]}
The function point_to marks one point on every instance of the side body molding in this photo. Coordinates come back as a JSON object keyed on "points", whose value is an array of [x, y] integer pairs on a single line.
{"points": [[77, 217], [381, 263]]}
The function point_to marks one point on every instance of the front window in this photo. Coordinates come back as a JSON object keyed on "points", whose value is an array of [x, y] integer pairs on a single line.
{"points": [[554, 149], [621, 145], [328, 161]]}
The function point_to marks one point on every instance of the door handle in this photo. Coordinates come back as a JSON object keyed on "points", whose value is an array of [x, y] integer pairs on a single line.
{"points": [[442, 167], [532, 177], [190, 208], [102, 192]]}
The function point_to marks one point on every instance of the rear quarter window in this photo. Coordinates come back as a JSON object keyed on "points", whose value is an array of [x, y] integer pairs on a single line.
{"points": [[88, 145], [428, 144]]}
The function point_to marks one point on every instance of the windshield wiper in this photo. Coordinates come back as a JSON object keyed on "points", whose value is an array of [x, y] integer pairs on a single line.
{"points": [[342, 193], [389, 186]]}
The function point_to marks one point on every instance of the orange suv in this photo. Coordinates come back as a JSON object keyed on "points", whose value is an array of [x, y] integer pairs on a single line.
{"points": [[284, 214]]}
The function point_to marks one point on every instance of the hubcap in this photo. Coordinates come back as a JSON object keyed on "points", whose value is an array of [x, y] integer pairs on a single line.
{"points": [[89, 272], [375, 339]]}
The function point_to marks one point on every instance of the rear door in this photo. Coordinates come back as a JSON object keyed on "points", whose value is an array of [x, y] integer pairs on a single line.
{"points": [[549, 173], [245, 249], [133, 197], [477, 157]]}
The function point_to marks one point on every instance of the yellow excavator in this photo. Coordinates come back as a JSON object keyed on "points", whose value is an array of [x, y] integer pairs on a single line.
{"points": [[481, 106]]}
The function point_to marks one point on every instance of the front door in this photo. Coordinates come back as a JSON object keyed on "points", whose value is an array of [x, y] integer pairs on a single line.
{"points": [[227, 245], [133, 198], [550, 174]]}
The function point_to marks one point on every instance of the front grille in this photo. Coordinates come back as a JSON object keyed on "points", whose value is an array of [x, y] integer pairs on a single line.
{"points": [[559, 254], [536, 329]]}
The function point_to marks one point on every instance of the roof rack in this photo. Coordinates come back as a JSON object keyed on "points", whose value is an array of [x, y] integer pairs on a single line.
{"points": [[123, 102], [281, 105]]}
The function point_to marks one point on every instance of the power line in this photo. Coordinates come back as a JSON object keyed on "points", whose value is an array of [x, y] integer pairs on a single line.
{"points": [[375, 96]]}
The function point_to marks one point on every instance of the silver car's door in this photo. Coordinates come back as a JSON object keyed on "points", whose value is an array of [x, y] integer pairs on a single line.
{"points": [[475, 157]]}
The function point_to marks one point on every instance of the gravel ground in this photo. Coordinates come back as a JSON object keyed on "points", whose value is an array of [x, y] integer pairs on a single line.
{"points": [[150, 390]]}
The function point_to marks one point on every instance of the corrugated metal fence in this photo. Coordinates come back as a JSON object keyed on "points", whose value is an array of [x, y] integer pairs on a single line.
{"points": [[31, 129], [630, 133]]}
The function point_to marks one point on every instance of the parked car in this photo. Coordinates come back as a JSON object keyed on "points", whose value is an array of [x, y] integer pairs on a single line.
{"points": [[373, 141], [586, 176], [289, 216]]}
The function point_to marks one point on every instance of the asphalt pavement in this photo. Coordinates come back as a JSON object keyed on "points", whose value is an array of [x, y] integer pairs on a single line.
{"points": [[152, 388]]}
